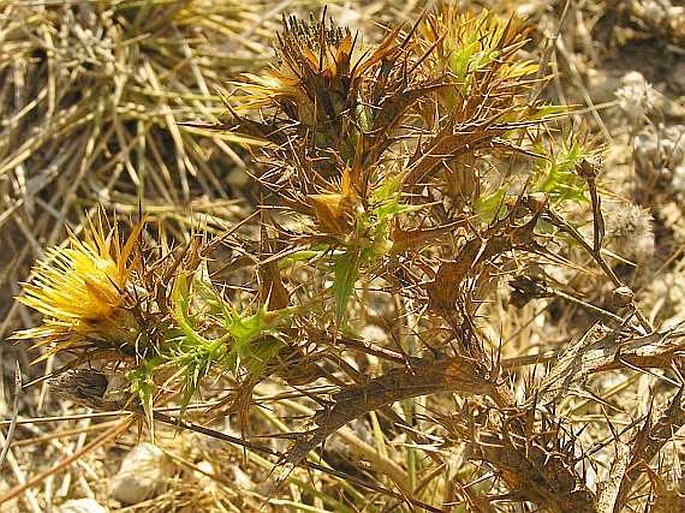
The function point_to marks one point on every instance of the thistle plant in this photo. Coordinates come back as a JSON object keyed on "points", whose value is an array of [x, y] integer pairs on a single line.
{"points": [[417, 185]]}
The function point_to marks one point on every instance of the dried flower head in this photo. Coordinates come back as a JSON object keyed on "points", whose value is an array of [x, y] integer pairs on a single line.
{"points": [[80, 289], [319, 69], [312, 57]]}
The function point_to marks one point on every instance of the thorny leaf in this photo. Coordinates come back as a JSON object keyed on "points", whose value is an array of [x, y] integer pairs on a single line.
{"points": [[445, 287], [659, 427], [608, 491], [422, 378], [596, 349]]}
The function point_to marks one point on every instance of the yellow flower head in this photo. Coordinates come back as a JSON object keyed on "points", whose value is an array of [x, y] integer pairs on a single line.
{"points": [[80, 288]]}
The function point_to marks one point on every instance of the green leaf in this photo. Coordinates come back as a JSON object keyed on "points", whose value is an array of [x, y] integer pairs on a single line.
{"points": [[256, 339], [557, 177], [489, 207], [179, 299], [346, 274], [143, 385], [262, 351]]}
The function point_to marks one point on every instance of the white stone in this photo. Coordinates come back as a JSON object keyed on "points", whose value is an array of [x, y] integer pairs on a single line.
{"points": [[82, 506], [142, 474]]}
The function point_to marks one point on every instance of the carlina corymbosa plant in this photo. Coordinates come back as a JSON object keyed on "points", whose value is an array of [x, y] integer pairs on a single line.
{"points": [[418, 186]]}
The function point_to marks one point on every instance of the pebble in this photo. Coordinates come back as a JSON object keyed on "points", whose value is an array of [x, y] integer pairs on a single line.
{"points": [[82, 506], [142, 475]]}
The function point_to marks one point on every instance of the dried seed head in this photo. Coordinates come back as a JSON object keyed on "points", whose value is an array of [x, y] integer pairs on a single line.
{"points": [[525, 289], [636, 97], [311, 77], [85, 387], [631, 232], [590, 167], [622, 296], [312, 34]]}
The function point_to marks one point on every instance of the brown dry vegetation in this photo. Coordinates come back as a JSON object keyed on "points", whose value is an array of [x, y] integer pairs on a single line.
{"points": [[388, 256]]}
